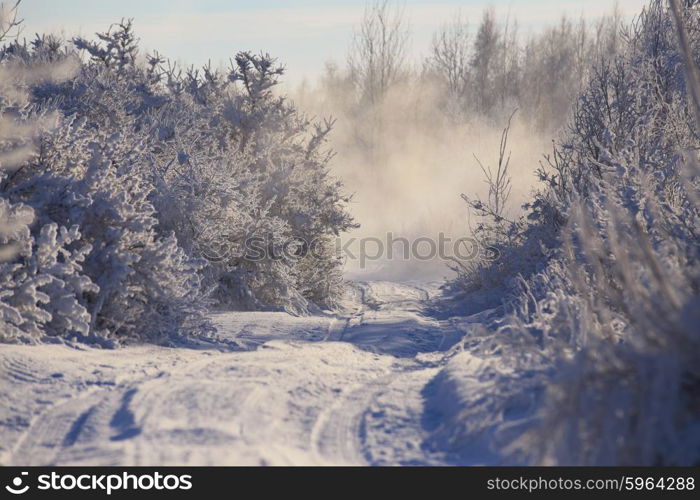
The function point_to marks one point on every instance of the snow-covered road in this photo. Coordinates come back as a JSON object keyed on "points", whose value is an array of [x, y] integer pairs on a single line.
{"points": [[310, 390]]}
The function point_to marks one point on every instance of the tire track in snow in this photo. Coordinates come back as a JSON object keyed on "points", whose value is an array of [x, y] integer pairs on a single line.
{"points": [[288, 401], [57, 429], [337, 435], [340, 433], [339, 325]]}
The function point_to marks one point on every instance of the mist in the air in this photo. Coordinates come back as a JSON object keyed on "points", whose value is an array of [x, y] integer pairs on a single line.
{"points": [[408, 135]]}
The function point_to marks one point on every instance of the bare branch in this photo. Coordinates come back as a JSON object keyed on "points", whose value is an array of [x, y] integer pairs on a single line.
{"points": [[9, 22]]}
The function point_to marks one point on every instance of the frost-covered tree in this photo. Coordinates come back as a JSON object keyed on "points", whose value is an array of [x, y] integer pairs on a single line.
{"points": [[169, 189], [492, 71], [44, 289], [244, 168], [377, 57], [449, 63], [136, 193], [484, 61]]}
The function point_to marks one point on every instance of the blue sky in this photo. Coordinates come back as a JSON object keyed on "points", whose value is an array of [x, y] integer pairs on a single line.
{"points": [[303, 34]]}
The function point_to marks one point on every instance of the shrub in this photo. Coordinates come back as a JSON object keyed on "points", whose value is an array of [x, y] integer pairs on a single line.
{"points": [[613, 304]]}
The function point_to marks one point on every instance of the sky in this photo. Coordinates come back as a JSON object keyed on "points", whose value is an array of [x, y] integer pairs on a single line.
{"points": [[302, 34]]}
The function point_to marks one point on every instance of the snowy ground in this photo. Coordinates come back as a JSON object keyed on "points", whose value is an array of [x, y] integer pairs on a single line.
{"points": [[372, 387]]}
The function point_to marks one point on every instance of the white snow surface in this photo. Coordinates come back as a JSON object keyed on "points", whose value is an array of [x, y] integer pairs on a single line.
{"points": [[384, 384]]}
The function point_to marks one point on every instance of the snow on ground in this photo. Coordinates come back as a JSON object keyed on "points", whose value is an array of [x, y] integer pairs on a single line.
{"points": [[370, 387]]}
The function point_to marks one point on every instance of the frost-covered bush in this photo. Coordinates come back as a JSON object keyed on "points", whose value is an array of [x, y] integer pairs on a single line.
{"points": [[90, 264], [241, 166], [160, 191], [45, 288], [613, 301], [148, 286], [232, 163]]}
